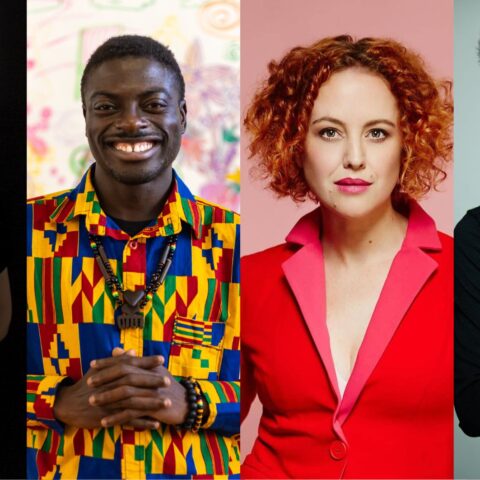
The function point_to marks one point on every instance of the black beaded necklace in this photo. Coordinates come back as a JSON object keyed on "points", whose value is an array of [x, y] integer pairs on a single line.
{"points": [[129, 305]]}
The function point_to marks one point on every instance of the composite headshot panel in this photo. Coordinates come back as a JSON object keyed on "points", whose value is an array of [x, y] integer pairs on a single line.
{"points": [[347, 323], [133, 280], [341, 338]]}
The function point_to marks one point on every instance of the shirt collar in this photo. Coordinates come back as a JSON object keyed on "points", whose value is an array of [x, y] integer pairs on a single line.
{"points": [[83, 201], [421, 230]]}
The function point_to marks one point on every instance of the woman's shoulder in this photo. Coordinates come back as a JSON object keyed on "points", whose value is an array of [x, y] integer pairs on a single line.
{"points": [[262, 271], [446, 240], [444, 256], [269, 258]]}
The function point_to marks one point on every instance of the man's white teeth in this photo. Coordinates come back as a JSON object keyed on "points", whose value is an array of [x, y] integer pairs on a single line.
{"points": [[133, 147]]}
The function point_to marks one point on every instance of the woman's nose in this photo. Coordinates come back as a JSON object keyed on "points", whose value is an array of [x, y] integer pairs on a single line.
{"points": [[354, 156]]}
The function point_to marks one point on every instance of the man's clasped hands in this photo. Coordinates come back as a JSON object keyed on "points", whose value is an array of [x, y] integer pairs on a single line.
{"points": [[123, 390]]}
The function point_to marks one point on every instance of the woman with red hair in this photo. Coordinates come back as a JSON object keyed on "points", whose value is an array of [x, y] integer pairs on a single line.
{"points": [[347, 340]]}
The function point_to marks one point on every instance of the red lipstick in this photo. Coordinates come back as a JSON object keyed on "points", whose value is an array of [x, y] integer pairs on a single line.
{"points": [[352, 185]]}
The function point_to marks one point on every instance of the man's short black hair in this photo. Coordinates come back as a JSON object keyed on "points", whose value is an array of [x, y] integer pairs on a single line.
{"points": [[133, 46]]}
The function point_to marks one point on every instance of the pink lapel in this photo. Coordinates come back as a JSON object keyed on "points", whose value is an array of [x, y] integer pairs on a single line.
{"points": [[306, 276], [410, 270]]}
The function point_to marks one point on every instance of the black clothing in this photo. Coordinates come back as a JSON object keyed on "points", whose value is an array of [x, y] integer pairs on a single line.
{"points": [[13, 128], [467, 322]]}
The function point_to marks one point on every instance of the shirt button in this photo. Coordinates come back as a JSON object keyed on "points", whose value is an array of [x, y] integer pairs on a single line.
{"points": [[133, 244], [338, 450]]}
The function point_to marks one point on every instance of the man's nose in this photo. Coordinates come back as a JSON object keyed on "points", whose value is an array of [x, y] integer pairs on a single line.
{"points": [[131, 120]]}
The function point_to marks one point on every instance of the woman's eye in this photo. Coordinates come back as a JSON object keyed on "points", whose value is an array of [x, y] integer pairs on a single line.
{"points": [[329, 133], [377, 134]]}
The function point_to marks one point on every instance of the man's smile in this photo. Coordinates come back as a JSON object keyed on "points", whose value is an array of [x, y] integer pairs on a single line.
{"points": [[133, 147]]}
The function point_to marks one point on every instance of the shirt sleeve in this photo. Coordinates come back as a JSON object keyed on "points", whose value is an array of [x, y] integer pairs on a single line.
{"points": [[467, 322], [41, 391], [223, 399]]}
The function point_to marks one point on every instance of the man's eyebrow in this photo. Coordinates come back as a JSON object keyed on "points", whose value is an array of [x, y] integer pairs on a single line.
{"points": [[146, 93], [103, 93], [155, 90]]}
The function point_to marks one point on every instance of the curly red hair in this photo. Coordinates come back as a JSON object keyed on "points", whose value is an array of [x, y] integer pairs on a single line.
{"points": [[279, 114]]}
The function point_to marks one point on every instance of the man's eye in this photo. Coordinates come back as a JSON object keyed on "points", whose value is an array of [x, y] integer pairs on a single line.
{"points": [[104, 107], [156, 105]]}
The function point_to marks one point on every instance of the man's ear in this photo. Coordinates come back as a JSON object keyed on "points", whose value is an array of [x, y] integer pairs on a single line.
{"points": [[182, 106]]}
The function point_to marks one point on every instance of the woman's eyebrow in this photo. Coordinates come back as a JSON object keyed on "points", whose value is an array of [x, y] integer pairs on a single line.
{"points": [[380, 120], [328, 119], [342, 124]]}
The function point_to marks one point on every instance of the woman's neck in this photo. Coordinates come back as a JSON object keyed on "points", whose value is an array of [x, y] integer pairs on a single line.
{"points": [[351, 240]]}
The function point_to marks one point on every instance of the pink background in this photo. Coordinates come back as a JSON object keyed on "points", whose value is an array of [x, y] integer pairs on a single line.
{"points": [[269, 28]]}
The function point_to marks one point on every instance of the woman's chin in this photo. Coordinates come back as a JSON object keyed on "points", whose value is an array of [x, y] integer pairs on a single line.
{"points": [[356, 209]]}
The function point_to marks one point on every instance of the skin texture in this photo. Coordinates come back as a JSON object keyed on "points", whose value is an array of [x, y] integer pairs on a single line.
{"points": [[5, 304], [128, 101], [123, 390], [132, 100], [141, 387], [354, 133]]}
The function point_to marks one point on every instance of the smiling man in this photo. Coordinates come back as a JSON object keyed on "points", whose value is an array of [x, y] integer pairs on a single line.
{"points": [[133, 294]]}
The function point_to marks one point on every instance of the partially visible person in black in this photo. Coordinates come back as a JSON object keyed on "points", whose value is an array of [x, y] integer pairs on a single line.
{"points": [[12, 230], [467, 322]]}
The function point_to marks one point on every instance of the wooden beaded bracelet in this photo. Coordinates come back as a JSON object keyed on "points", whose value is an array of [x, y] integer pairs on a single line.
{"points": [[200, 408], [196, 406]]}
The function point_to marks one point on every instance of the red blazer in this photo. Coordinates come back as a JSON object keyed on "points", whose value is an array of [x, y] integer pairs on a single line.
{"points": [[395, 419]]}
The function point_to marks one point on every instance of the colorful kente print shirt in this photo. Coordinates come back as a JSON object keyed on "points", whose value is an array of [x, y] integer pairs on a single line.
{"points": [[192, 320]]}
